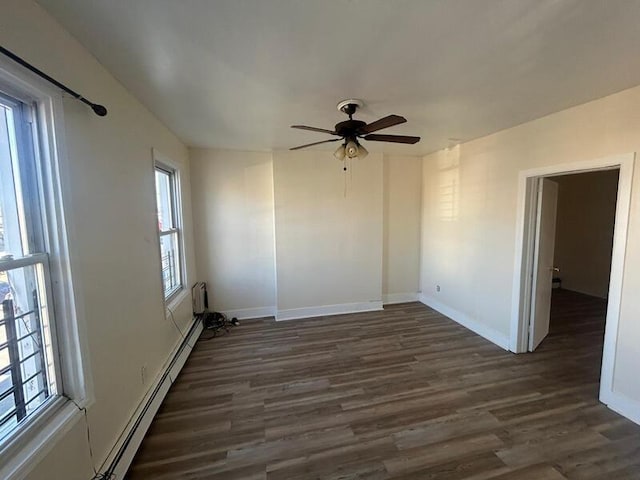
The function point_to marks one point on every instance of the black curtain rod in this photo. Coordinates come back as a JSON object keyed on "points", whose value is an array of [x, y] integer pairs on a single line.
{"points": [[99, 110]]}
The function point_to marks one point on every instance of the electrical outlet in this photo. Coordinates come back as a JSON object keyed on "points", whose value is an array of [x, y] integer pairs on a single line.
{"points": [[437, 288]]}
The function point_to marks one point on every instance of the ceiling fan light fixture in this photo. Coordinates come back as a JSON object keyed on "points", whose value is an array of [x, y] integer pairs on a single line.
{"points": [[340, 153], [362, 152], [351, 149]]}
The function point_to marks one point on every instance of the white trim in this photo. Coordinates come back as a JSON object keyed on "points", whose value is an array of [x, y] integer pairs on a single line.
{"points": [[326, 310], [623, 405], [176, 300], [25, 447], [54, 166], [162, 383], [272, 212], [391, 298], [620, 235], [494, 336], [523, 268], [525, 242], [524, 230], [247, 313], [67, 281], [163, 162]]}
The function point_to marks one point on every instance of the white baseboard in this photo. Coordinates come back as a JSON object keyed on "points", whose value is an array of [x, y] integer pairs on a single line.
{"points": [[623, 405], [322, 310], [489, 333], [246, 313], [391, 298], [121, 456]]}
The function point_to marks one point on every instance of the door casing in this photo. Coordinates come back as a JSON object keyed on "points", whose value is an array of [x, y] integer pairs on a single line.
{"points": [[524, 255]]}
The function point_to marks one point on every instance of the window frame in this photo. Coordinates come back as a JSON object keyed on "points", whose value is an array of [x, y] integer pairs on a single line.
{"points": [[45, 427], [166, 165]]}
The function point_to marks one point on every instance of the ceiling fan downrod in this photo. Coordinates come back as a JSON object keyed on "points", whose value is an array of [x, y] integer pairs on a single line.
{"points": [[350, 106]]}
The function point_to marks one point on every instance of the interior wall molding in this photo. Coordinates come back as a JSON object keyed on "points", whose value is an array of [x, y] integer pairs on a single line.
{"points": [[623, 405], [249, 313], [494, 336], [391, 298], [322, 310]]}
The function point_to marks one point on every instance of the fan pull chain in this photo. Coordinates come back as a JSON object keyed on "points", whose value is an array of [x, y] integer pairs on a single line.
{"points": [[344, 168]]}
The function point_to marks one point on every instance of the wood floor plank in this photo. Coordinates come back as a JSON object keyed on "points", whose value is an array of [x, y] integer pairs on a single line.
{"points": [[459, 468], [401, 394], [444, 452], [534, 472]]}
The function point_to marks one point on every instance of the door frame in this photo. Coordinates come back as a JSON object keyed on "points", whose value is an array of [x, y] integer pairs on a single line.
{"points": [[524, 250]]}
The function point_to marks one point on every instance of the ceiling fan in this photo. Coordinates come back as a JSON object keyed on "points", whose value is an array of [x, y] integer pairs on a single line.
{"points": [[351, 130]]}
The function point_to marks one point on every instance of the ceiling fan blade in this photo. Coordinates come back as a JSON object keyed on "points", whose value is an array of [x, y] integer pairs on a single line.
{"points": [[392, 138], [385, 122], [314, 129], [315, 143]]}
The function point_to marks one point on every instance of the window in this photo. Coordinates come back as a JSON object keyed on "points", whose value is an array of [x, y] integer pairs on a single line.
{"points": [[29, 375], [167, 200], [44, 374]]}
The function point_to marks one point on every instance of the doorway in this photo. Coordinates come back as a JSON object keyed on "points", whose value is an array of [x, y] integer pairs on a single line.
{"points": [[572, 256], [535, 269]]}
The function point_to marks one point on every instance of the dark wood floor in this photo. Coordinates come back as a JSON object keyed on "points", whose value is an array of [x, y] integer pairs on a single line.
{"points": [[402, 394]]}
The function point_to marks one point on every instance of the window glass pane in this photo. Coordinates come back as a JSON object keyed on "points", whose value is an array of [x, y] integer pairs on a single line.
{"points": [[29, 352], [8, 423], [5, 378], [164, 200], [170, 262], [168, 226], [4, 353], [6, 384], [11, 233]]}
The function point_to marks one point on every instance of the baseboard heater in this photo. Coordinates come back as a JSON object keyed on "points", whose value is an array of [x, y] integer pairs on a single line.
{"points": [[124, 455]]}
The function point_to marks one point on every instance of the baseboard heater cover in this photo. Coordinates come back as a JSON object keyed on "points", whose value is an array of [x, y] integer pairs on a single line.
{"points": [[123, 457]]}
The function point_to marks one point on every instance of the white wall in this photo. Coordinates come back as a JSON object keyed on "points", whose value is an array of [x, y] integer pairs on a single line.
{"points": [[471, 254], [234, 236], [584, 230], [114, 244], [328, 238], [402, 199], [332, 248]]}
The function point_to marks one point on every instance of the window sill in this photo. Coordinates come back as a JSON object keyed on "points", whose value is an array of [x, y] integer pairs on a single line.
{"points": [[27, 448], [176, 299]]}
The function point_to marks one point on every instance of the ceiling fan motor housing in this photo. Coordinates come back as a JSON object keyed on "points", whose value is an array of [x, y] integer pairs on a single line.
{"points": [[349, 128]]}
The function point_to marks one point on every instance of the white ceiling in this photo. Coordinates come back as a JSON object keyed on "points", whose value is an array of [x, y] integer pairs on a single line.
{"points": [[237, 73]]}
